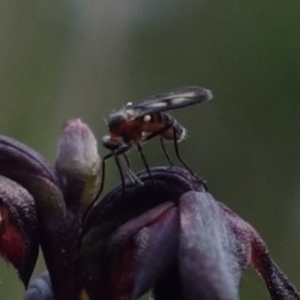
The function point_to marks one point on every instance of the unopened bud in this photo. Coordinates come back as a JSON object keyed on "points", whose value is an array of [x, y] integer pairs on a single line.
{"points": [[78, 160]]}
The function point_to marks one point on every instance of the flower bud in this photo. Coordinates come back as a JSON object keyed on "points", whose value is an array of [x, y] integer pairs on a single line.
{"points": [[78, 161]]}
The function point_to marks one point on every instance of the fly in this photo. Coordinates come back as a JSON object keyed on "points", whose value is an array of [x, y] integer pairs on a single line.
{"points": [[135, 124]]}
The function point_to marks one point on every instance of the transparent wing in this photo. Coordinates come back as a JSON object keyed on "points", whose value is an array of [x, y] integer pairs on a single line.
{"points": [[174, 99]]}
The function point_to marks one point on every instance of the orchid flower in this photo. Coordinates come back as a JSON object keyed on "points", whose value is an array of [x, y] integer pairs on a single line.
{"points": [[167, 236]]}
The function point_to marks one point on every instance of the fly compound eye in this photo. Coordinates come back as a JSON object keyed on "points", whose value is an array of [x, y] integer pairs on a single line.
{"points": [[111, 143], [116, 120]]}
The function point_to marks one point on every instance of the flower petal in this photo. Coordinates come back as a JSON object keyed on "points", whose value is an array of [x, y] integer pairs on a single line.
{"points": [[146, 253], [277, 283], [116, 209], [208, 270], [18, 228], [123, 253], [16, 157]]}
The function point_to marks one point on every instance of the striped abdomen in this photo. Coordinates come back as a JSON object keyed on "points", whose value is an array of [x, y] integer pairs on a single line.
{"points": [[158, 121]]}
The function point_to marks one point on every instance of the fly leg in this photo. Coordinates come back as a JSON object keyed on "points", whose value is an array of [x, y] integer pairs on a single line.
{"points": [[98, 193], [131, 175], [115, 153], [121, 173], [123, 166], [182, 161], [139, 147], [163, 146], [162, 143], [178, 154], [127, 161]]}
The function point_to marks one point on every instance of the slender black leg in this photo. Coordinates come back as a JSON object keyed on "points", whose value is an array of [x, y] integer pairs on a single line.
{"points": [[115, 154], [98, 193], [182, 161], [118, 151], [139, 147], [127, 161], [159, 132], [163, 146], [102, 181], [130, 173], [121, 174], [126, 171], [109, 155], [178, 154], [123, 165]]}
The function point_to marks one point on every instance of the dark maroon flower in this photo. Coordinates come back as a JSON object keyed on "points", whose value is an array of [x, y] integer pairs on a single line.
{"points": [[174, 239], [43, 205], [171, 237]]}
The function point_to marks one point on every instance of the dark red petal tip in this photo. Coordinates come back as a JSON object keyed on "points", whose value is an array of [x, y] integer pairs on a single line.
{"points": [[18, 228]]}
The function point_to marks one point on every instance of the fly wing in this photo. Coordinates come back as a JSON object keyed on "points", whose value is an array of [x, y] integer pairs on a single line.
{"points": [[174, 99]]}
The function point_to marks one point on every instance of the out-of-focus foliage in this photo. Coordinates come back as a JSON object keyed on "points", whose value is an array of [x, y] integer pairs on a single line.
{"points": [[64, 59]]}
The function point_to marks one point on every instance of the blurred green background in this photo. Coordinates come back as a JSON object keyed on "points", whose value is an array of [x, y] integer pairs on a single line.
{"points": [[66, 59]]}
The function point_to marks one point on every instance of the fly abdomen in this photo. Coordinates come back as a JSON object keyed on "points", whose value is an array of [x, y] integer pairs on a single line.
{"points": [[175, 131]]}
